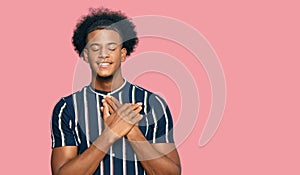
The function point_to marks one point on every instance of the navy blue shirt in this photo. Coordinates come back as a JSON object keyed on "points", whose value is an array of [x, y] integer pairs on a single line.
{"points": [[77, 121]]}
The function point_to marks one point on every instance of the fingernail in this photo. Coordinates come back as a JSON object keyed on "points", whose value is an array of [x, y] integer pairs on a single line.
{"points": [[139, 103]]}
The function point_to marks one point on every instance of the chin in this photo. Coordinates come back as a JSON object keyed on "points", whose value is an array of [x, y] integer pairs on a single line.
{"points": [[101, 77]]}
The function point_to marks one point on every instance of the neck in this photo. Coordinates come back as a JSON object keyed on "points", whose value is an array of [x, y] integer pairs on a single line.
{"points": [[107, 84]]}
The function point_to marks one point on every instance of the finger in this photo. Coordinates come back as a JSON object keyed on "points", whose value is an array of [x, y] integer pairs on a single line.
{"points": [[140, 103], [105, 105], [110, 109], [124, 108], [138, 110], [111, 103], [137, 118], [134, 113], [105, 111], [115, 101], [136, 105]]}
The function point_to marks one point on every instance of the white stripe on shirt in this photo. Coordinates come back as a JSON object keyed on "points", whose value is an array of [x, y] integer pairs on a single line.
{"points": [[100, 129], [133, 101], [86, 117], [133, 94], [124, 155], [145, 112], [76, 117], [155, 125], [123, 141], [52, 134], [99, 114], [166, 118], [63, 142], [135, 165], [111, 161]]}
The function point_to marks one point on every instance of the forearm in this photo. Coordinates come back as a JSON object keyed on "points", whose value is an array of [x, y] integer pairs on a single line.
{"points": [[88, 161], [153, 161]]}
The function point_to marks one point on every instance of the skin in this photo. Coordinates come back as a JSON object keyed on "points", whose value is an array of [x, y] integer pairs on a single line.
{"points": [[104, 54], [104, 46], [156, 159]]}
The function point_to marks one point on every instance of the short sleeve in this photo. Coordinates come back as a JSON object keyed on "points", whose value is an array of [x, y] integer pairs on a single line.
{"points": [[162, 123], [62, 133]]}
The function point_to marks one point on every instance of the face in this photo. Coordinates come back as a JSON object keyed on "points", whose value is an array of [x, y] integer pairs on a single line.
{"points": [[104, 53]]}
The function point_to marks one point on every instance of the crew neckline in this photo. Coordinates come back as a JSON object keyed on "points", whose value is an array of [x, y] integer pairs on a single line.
{"points": [[104, 93]]}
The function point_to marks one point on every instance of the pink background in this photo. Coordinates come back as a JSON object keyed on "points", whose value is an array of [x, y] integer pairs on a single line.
{"points": [[257, 43]]}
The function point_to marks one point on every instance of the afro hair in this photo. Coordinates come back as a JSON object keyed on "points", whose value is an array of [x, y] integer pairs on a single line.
{"points": [[104, 18]]}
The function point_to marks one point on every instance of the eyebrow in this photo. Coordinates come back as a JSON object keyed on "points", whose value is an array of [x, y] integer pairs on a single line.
{"points": [[110, 43]]}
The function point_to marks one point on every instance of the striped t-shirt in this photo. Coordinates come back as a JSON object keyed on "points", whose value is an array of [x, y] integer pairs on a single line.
{"points": [[77, 121]]}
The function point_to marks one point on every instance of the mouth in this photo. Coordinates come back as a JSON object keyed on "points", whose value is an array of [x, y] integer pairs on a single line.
{"points": [[104, 64]]}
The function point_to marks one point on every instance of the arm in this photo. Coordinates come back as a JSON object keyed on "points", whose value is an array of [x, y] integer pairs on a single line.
{"points": [[160, 158], [64, 160]]}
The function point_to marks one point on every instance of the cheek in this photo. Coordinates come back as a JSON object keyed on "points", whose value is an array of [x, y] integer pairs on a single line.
{"points": [[91, 57]]}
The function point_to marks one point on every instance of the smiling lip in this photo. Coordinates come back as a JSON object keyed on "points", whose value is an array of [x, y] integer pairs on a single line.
{"points": [[104, 65]]}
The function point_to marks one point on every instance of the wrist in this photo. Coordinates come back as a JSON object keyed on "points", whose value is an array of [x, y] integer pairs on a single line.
{"points": [[110, 136], [105, 140], [134, 134]]}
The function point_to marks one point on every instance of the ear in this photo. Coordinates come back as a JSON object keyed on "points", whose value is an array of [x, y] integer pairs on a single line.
{"points": [[123, 54], [85, 55]]}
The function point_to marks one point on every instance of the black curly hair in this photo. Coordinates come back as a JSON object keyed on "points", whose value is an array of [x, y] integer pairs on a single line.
{"points": [[103, 18]]}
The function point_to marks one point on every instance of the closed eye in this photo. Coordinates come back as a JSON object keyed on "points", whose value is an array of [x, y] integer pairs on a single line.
{"points": [[95, 47], [112, 47]]}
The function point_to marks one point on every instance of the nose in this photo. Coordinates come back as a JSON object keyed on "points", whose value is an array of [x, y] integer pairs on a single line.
{"points": [[103, 53]]}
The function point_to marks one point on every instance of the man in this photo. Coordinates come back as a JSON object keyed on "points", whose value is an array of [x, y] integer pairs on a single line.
{"points": [[111, 126]]}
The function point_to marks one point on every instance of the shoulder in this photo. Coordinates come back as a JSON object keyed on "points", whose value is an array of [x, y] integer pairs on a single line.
{"points": [[70, 97], [66, 103]]}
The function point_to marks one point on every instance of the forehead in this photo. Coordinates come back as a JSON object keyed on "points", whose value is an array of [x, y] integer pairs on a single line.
{"points": [[104, 36]]}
